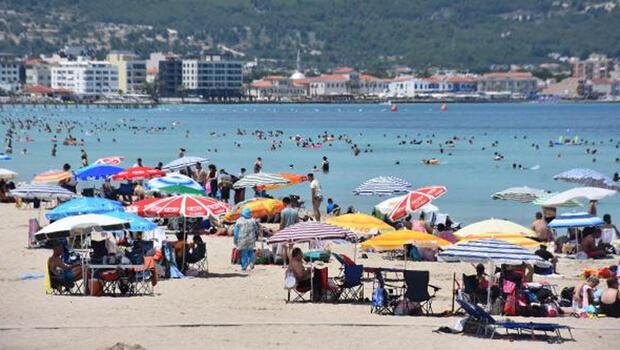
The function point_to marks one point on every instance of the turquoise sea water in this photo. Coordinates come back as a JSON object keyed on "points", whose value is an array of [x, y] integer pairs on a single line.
{"points": [[470, 173]]}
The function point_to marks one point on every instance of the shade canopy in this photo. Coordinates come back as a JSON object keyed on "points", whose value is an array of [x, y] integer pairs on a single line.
{"points": [[493, 251], [360, 223], [138, 173], [308, 231], [42, 191], [588, 177], [259, 207], [260, 179], [415, 200], [97, 172], [51, 176], [581, 219], [185, 206], [383, 186], [62, 228], [7, 174], [84, 205], [589, 193], [184, 162], [523, 194], [136, 223], [494, 227], [172, 180], [398, 239]]}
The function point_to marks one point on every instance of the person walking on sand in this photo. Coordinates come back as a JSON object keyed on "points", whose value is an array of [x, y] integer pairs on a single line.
{"points": [[245, 232], [317, 196]]}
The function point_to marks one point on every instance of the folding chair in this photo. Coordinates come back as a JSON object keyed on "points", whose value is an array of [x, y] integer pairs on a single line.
{"points": [[54, 285], [390, 295], [470, 289], [144, 278], [201, 265], [352, 287], [299, 294], [417, 290]]}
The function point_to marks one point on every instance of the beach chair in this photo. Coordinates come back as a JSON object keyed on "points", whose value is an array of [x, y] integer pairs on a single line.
{"points": [[300, 294], [202, 264], [470, 289], [54, 285], [417, 290], [385, 296], [488, 326], [352, 287]]}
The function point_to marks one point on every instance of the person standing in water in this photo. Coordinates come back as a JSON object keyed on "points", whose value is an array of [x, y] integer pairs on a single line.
{"points": [[240, 192], [325, 165]]}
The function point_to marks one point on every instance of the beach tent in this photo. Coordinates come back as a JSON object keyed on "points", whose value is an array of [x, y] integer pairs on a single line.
{"points": [[260, 179], [522, 194], [415, 200], [363, 224], [172, 180], [6, 174], [184, 162], [494, 227], [51, 176], [308, 231], [589, 193], [383, 186], [259, 207], [138, 173], [588, 177], [62, 228], [84, 205], [136, 223], [398, 239]]}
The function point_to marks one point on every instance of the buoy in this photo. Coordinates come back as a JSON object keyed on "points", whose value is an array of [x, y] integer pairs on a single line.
{"points": [[394, 108], [444, 107]]}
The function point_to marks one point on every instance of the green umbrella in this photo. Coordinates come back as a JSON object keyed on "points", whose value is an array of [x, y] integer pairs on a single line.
{"points": [[180, 189]]}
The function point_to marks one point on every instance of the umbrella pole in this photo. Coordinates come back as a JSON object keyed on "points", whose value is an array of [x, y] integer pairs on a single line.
{"points": [[184, 241]]}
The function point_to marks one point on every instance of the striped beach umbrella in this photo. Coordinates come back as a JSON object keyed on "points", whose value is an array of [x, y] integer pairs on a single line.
{"points": [[138, 173], [184, 162], [415, 200], [138, 206], [185, 206], [41, 191], [581, 219], [51, 176], [254, 180], [588, 177], [84, 205], [383, 186], [495, 251], [97, 172], [7, 174], [173, 179], [309, 231], [113, 160], [521, 194]]}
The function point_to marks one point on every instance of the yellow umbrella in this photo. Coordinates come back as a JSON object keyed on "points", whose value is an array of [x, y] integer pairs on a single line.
{"points": [[515, 239], [397, 239], [362, 223], [259, 207], [494, 227]]}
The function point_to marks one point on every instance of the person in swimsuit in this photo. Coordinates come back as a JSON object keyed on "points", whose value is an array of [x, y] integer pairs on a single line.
{"points": [[610, 299]]}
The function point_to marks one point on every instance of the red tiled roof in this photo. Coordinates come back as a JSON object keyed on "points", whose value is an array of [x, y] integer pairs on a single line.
{"points": [[41, 89], [33, 61], [462, 79], [301, 82], [274, 77], [261, 84], [343, 70], [368, 77], [330, 77], [602, 81]]}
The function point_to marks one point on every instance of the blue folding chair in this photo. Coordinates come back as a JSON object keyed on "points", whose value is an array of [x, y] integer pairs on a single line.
{"points": [[352, 287], [487, 325]]}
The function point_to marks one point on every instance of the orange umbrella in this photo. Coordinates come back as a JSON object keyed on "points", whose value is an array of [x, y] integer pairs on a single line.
{"points": [[293, 179], [51, 176]]}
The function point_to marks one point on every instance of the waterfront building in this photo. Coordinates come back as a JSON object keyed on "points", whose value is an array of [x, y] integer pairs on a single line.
{"points": [[38, 72], [131, 71], [212, 75], [277, 87], [12, 72], [85, 77], [596, 66], [170, 77], [512, 82]]}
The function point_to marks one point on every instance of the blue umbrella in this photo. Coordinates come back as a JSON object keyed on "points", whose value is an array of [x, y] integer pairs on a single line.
{"points": [[4, 157], [582, 219], [97, 172], [136, 223], [588, 177], [84, 205]]}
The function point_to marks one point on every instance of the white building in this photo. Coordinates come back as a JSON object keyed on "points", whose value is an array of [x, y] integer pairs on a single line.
{"points": [[410, 86], [275, 87], [38, 72], [330, 85], [131, 71], [372, 86], [11, 72], [213, 76], [85, 77]]}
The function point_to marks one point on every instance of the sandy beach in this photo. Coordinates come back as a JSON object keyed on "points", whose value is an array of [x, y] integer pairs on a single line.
{"points": [[235, 310]]}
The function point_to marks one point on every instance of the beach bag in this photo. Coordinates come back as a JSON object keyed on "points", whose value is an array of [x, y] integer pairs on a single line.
{"points": [[510, 307], [290, 282], [567, 293], [509, 287], [378, 297], [235, 256]]}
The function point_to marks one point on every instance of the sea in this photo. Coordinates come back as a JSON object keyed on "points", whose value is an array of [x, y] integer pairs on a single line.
{"points": [[468, 168]]}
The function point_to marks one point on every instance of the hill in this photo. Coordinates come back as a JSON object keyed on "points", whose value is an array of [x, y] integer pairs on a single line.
{"points": [[367, 33]]}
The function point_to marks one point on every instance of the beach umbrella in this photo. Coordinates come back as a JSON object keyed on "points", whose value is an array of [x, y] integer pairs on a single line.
{"points": [[308, 231], [254, 180], [138, 207], [385, 207], [259, 207], [7, 174], [516, 239], [42, 191], [494, 227], [588, 177], [581, 219], [184, 162], [51, 176], [4, 157], [84, 205], [97, 172], [138, 173], [62, 228], [540, 201], [521, 194], [415, 200], [360, 223], [136, 223], [113, 160], [292, 179], [383, 186], [590, 193], [172, 180], [180, 189], [185, 206], [398, 239]]}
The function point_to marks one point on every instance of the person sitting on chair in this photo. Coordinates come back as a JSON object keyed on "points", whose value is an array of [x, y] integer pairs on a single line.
{"points": [[197, 251], [66, 273], [588, 243], [304, 276]]}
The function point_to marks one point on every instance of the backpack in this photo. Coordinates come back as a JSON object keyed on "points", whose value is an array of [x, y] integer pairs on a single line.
{"points": [[567, 293], [379, 297]]}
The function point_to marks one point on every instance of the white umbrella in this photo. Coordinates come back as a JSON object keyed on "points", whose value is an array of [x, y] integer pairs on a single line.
{"points": [[254, 180], [590, 193], [7, 174], [588, 177], [42, 191], [184, 162], [62, 228], [383, 186], [523, 194]]}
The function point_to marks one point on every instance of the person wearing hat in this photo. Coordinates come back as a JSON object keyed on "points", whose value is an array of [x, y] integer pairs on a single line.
{"points": [[245, 233]]}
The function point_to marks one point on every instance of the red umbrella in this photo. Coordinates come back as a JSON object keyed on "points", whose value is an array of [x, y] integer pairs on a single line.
{"points": [[185, 206], [138, 173], [138, 206], [415, 200]]}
